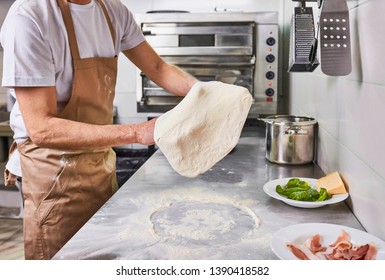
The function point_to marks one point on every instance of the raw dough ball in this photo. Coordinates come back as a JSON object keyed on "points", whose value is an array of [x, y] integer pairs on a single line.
{"points": [[204, 127]]}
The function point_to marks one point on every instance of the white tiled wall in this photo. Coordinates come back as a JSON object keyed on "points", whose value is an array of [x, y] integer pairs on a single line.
{"points": [[350, 112]]}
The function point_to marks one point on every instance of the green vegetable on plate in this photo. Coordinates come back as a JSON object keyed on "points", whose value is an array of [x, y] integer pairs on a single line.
{"points": [[302, 191]]}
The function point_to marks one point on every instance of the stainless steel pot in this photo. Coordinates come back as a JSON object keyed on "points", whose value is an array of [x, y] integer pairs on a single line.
{"points": [[290, 139]]}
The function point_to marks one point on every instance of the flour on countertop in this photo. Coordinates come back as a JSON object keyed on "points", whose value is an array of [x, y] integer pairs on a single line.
{"points": [[191, 217], [209, 223]]}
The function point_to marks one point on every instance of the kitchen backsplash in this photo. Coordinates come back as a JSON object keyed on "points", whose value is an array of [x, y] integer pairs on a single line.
{"points": [[348, 109]]}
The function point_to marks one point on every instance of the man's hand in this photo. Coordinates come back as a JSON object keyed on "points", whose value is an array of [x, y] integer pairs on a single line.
{"points": [[144, 132]]}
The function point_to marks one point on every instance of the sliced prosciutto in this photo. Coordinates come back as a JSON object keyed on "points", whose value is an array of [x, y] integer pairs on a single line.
{"points": [[341, 249]]}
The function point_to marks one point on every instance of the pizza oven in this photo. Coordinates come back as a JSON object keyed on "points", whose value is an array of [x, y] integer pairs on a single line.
{"points": [[234, 48]]}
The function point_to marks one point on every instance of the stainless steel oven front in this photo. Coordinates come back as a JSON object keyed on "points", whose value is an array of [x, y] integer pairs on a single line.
{"points": [[235, 48]]}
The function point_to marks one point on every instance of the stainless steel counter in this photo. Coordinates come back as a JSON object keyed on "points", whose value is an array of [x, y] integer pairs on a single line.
{"points": [[222, 214]]}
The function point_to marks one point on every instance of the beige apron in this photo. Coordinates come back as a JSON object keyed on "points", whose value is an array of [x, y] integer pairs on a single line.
{"points": [[64, 188]]}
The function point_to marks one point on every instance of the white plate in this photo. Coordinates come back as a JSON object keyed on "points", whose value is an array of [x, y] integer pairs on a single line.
{"points": [[328, 232], [269, 189]]}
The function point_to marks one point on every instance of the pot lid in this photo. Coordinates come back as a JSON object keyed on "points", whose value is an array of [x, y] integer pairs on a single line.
{"points": [[289, 120]]}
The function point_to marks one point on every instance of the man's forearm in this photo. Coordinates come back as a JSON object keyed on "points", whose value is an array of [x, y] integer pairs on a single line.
{"points": [[66, 134], [46, 129], [175, 80], [165, 75]]}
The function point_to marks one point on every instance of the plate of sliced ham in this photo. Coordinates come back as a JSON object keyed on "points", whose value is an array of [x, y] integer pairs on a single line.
{"points": [[322, 241], [270, 189]]}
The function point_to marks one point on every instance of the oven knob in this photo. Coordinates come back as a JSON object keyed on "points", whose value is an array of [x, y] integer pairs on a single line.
{"points": [[270, 41], [270, 75], [270, 92], [270, 58]]}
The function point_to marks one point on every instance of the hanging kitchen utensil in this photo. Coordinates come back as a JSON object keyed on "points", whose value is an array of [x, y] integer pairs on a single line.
{"points": [[334, 41], [303, 42], [335, 38]]}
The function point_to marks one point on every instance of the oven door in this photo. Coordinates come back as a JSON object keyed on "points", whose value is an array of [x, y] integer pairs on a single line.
{"points": [[159, 100], [204, 38]]}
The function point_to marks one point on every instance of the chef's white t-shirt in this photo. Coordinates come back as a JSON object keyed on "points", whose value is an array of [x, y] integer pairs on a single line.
{"points": [[37, 53]]}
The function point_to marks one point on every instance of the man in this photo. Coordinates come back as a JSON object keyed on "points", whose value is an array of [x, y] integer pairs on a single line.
{"points": [[61, 58]]}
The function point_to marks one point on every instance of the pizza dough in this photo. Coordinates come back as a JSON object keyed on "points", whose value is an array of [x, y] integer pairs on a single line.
{"points": [[204, 127]]}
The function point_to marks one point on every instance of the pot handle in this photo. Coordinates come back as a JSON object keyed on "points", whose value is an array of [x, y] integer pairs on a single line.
{"points": [[296, 131], [269, 121]]}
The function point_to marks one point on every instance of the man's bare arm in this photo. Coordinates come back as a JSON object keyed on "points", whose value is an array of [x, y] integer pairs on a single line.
{"points": [[165, 75], [38, 107]]}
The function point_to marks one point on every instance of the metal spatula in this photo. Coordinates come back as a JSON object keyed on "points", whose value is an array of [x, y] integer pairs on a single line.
{"points": [[334, 40]]}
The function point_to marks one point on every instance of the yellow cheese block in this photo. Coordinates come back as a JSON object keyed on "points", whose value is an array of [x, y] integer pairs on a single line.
{"points": [[332, 183]]}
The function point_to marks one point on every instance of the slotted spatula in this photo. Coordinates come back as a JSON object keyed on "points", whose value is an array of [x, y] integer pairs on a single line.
{"points": [[334, 41]]}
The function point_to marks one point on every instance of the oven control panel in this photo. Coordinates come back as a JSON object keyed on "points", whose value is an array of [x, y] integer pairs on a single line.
{"points": [[266, 79]]}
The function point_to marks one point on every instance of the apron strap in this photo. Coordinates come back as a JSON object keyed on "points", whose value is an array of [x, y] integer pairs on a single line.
{"points": [[68, 22], [108, 20], [65, 10]]}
